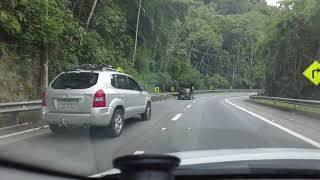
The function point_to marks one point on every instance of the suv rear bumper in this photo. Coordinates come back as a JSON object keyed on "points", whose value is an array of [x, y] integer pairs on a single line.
{"points": [[187, 95], [98, 117]]}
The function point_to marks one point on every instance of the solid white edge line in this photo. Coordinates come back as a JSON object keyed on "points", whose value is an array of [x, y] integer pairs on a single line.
{"points": [[22, 132], [114, 170], [109, 172], [176, 117], [297, 135], [9, 127]]}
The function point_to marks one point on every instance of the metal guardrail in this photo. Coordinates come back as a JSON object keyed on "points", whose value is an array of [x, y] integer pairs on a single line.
{"points": [[307, 107], [310, 103], [12, 107], [218, 91], [35, 105], [19, 106]]}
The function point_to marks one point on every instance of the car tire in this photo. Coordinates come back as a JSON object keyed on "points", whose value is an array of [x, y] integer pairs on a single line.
{"points": [[116, 125], [147, 113], [56, 129], [179, 98]]}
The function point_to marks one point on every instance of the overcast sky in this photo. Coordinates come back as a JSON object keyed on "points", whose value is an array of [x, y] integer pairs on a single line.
{"points": [[272, 2]]}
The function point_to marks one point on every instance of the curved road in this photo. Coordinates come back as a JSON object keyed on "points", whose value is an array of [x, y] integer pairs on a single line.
{"points": [[210, 121]]}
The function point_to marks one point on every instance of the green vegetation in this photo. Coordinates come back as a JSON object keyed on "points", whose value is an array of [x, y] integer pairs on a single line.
{"points": [[289, 44], [208, 43]]}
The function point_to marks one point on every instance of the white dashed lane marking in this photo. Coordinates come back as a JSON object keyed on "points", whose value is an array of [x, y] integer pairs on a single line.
{"points": [[138, 152], [176, 117]]}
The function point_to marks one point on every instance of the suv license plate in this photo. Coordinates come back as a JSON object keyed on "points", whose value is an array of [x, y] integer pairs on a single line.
{"points": [[67, 104]]}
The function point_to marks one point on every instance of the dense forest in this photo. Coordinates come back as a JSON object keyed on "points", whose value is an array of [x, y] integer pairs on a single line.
{"points": [[208, 43]]}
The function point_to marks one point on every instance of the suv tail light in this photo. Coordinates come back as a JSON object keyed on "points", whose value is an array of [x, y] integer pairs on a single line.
{"points": [[99, 99], [43, 99]]}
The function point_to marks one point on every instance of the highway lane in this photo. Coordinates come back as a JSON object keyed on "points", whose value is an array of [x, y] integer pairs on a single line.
{"points": [[208, 122]]}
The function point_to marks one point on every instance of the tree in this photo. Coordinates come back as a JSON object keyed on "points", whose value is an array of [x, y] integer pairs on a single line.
{"points": [[91, 13], [288, 47], [209, 43], [137, 30]]}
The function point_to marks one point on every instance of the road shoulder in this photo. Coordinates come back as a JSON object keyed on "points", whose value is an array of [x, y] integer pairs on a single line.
{"points": [[301, 124]]}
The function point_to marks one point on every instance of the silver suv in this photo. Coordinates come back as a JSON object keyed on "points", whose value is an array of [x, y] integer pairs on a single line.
{"points": [[94, 98]]}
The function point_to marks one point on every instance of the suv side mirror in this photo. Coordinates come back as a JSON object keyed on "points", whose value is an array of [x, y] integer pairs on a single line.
{"points": [[142, 88]]}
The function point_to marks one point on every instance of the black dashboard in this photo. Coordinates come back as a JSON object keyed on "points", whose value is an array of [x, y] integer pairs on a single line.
{"points": [[159, 167]]}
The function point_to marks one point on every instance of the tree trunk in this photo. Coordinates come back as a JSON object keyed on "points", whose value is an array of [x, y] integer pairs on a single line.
{"points": [[91, 13], [318, 52], [251, 55], [251, 63], [44, 62], [74, 6], [211, 68], [136, 39], [233, 73], [234, 66], [190, 53], [204, 55], [80, 9], [154, 58], [44, 69]]}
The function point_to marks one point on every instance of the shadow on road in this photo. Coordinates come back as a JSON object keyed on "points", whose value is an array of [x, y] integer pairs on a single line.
{"points": [[93, 132]]}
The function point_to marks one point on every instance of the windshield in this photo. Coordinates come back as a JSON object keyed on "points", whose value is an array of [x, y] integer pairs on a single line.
{"points": [[83, 82]]}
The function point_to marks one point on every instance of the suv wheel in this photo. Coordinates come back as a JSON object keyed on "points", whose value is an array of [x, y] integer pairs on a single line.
{"points": [[117, 123], [147, 113], [57, 129]]}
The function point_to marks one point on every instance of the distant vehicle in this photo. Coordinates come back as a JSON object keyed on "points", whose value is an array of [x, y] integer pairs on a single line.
{"points": [[185, 93], [97, 96]]}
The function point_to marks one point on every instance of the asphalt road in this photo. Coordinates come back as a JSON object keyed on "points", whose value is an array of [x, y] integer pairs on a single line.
{"points": [[210, 121]]}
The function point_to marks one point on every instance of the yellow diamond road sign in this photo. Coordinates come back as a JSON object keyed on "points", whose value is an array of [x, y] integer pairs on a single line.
{"points": [[313, 73], [156, 89]]}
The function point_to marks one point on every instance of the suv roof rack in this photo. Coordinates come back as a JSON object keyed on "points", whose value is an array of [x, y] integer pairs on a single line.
{"points": [[91, 67]]}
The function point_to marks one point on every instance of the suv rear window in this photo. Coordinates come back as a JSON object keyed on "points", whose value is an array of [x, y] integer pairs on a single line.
{"points": [[185, 90], [75, 80]]}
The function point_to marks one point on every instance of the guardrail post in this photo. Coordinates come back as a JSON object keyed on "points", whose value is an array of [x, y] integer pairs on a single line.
{"points": [[16, 117]]}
